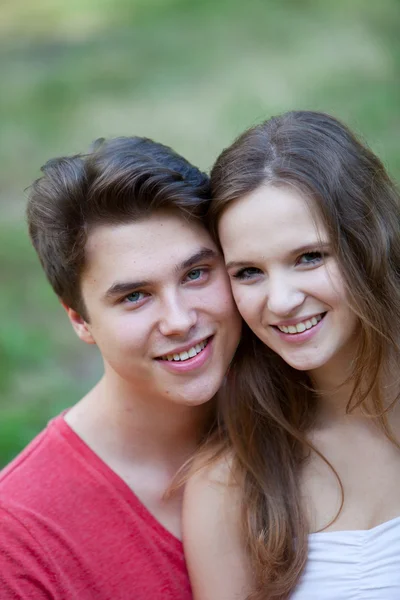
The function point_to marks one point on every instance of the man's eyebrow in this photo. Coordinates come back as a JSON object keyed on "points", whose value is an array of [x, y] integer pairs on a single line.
{"points": [[202, 254], [121, 288], [312, 247]]}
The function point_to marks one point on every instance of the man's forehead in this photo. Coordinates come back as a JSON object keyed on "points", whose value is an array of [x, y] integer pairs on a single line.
{"points": [[165, 224], [145, 246]]}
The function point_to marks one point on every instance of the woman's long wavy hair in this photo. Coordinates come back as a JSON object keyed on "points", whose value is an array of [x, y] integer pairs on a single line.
{"points": [[269, 407]]}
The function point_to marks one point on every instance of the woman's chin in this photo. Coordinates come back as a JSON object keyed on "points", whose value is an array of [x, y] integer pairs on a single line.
{"points": [[304, 363]]}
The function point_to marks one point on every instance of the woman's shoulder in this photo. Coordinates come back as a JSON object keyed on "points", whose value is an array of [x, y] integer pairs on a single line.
{"points": [[212, 468], [212, 538], [212, 495]]}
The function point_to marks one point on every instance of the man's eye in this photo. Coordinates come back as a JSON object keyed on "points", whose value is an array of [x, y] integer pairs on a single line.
{"points": [[247, 273], [310, 258], [194, 274], [134, 297]]}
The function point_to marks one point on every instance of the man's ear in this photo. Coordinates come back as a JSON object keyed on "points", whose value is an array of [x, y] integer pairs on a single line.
{"points": [[79, 324]]}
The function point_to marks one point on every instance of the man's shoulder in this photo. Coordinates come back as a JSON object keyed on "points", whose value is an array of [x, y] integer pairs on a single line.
{"points": [[45, 490], [23, 496], [29, 475], [54, 500]]}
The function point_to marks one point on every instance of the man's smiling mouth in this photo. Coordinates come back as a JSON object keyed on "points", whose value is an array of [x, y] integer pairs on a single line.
{"points": [[186, 354]]}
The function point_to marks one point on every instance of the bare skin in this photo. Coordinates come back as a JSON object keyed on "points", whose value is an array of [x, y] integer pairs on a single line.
{"points": [[215, 556]]}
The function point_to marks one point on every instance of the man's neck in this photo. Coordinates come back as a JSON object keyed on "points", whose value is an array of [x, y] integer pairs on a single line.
{"points": [[121, 426], [144, 440]]}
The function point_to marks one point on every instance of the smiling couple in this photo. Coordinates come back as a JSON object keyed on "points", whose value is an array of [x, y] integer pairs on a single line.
{"points": [[289, 421]]}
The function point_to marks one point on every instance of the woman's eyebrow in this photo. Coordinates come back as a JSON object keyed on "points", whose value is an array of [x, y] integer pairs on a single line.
{"points": [[312, 246], [238, 263]]}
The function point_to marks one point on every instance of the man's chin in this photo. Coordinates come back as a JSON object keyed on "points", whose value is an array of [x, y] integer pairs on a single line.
{"points": [[195, 395]]}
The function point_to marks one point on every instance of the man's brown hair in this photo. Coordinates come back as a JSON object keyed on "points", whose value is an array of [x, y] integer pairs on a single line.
{"points": [[121, 180]]}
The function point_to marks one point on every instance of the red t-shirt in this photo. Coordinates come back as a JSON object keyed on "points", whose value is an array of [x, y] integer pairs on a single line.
{"points": [[71, 529]]}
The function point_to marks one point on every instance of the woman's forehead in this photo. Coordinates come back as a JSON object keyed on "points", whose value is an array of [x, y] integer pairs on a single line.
{"points": [[275, 216]]}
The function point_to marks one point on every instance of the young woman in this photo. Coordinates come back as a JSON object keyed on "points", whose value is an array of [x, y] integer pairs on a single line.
{"points": [[300, 496]]}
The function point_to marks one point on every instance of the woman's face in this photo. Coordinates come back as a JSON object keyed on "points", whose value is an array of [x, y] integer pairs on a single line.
{"points": [[285, 280]]}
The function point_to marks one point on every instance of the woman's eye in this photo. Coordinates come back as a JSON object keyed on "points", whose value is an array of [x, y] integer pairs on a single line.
{"points": [[310, 258], [134, 297], [247, 273]]}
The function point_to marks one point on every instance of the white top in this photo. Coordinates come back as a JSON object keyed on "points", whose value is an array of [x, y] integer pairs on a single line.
{"points": [[353, 565]]}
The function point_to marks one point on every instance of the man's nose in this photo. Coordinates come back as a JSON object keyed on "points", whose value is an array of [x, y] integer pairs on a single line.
{"points": [[177, 318]]}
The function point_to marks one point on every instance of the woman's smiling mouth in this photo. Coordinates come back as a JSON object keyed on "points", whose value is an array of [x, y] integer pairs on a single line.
{"points": [[301, 326]]}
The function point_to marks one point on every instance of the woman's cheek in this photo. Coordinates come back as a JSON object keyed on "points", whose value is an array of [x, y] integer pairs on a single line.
{"points": [[244, 303]]}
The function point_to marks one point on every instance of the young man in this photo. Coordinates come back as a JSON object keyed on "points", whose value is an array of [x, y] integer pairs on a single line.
{"points": [[82, 508]]}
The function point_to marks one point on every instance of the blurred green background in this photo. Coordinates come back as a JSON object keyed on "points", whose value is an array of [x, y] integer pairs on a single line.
{"points": [[190, 74]]}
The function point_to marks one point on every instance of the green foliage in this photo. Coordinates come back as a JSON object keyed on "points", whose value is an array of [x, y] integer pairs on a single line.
{"points": [[189, 74]]}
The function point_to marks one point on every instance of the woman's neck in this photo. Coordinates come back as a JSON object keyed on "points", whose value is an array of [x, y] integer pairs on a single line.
{"points": [[334, 384]]}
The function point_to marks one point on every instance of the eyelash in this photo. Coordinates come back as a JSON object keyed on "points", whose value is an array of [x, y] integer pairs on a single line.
{"points": [[241, 273], [318, 256], [204, 271], [127, 301]]}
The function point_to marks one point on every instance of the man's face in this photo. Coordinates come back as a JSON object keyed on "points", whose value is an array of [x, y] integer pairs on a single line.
{"points": [[160, 308]]}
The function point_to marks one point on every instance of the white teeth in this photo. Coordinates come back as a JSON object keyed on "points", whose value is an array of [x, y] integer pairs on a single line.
{"points": [[300, 327], [187, 353]]}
